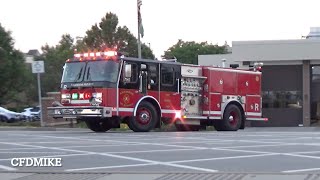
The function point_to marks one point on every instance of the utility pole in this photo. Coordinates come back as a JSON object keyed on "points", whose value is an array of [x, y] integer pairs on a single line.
{"points": [[140, 28], [139, 43]]}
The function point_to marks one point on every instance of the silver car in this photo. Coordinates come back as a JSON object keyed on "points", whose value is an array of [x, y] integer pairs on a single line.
{"points": [[9, 116]]}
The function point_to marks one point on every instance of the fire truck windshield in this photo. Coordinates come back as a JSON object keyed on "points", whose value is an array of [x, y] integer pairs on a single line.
{"points": [[91, 71], [102, 71]]}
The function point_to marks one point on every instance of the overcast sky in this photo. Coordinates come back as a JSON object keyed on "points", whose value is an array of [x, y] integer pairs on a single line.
{"points": [[36, 22]]}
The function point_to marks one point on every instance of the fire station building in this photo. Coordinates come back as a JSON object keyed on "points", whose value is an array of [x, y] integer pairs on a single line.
{"points": [[290, 76]]}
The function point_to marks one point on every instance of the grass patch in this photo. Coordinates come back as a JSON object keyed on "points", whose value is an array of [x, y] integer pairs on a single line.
{"points": [[20, 123]]}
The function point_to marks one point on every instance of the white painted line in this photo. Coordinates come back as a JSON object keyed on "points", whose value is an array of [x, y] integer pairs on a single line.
{"points": [[109, 167], [253, 146], [13, 149], [191, 167], [301, 170], [105, 145], [117, 156], [7, 168], [151, 151], [138, 143], [223, 158], [10, 152], [52, 156], [51, 142], [305, 152], [300, 155], [240, 150]]}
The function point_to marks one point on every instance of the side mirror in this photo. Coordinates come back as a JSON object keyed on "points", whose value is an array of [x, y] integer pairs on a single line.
{"points": [[143, 67]]}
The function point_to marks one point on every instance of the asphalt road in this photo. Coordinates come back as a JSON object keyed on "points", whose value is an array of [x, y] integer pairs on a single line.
{"points": [[281, 151]]}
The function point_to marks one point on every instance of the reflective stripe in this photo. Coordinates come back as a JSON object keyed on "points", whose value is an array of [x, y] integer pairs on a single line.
{"points": [[257, 119], [169, 111], [131, 110], [162, 110], [125, 109], [254, 114], [79, 102], [234, 70], [212, 112]]}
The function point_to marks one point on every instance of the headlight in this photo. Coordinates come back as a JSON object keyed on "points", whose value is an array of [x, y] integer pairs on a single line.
{"points": [[65, 96]]}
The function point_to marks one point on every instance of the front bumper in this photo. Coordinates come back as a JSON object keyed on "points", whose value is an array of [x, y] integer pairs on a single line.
{"points": [[79, 111]]}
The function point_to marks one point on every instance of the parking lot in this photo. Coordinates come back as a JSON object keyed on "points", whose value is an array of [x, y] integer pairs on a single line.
{"points": [[253, 150]]}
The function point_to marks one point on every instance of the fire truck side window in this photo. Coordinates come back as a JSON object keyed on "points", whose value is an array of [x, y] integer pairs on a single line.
{"points": [[152, 76], [130, 73], [129, 76], [167, 76]]}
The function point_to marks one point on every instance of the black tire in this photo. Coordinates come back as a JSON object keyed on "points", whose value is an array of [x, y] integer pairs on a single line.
{"points": [[97, 126], [180, 127], [146, 118], [3, 119], [232, 119]]}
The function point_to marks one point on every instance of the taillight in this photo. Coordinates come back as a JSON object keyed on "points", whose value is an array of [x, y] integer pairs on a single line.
{"points": [[87, 95]]}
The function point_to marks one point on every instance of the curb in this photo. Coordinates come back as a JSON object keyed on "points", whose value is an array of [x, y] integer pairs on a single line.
{"points": [[40, 129]]}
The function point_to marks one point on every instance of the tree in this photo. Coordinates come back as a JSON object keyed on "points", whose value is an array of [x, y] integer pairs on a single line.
{"points": [[14, 76], [187, 52], [54, 58], [100, 37], [109, 35]]}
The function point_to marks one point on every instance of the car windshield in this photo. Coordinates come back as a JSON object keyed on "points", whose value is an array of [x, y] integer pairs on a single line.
{"points": [[91, 71], [102, 71]]}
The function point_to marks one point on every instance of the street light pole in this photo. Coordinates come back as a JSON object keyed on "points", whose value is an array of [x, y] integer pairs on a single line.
{"points": [[139, 3], [139, 43]]}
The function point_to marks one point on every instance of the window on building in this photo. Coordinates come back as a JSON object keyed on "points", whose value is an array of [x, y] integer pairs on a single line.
{"points": [[246, 63]]}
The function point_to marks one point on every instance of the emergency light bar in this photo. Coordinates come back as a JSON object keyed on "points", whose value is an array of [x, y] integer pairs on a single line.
{"points": [[94, 55]]}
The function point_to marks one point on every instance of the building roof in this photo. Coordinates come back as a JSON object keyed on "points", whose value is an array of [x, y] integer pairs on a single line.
{"points": [[33, 52]]}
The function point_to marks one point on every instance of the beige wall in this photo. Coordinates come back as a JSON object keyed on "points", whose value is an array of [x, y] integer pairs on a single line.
{"points": [[277, 50]]}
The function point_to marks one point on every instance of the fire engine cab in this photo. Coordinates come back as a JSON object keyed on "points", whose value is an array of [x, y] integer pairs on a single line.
{"points": [[104, 89]]}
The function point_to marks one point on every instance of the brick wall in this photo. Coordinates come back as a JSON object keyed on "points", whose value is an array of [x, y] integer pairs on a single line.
{"points": [[47, 102]]}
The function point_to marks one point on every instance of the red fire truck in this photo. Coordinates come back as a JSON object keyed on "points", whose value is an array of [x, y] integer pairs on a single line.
{"points": [[106, 88]]}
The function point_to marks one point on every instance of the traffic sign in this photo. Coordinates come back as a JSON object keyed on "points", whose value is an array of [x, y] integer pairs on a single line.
{"points": [[37, 67]]}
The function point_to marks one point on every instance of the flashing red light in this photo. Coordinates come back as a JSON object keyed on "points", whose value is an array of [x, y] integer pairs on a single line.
{"points": [[87, 95], [259, 68]]}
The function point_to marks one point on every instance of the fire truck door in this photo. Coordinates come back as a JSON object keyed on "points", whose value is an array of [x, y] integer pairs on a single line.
{"points": [[170, 96]]}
